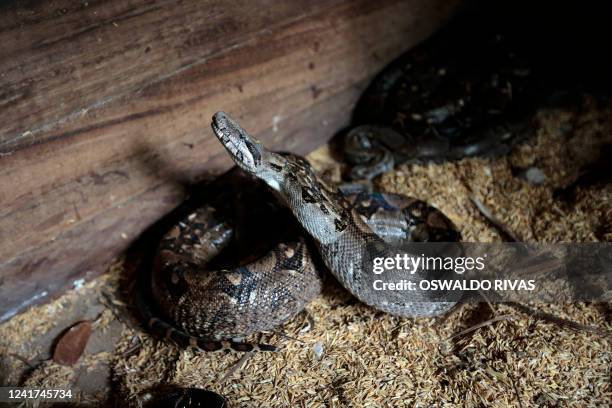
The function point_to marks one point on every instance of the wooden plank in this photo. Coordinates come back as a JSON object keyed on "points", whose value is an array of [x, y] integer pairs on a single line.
{"points": [[106, 110]]}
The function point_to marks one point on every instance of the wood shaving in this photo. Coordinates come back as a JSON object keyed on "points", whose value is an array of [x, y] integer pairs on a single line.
{"points": [[371, 359]]}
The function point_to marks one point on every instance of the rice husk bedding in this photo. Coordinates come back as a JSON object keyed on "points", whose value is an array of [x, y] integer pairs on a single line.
{"points": [[355, 356]]}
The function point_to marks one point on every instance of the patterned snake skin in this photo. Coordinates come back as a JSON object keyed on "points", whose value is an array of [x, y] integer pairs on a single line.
{"points": [[210, 305]]}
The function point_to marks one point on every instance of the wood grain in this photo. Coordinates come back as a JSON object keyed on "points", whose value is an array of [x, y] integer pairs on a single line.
{"points": [[106, 107]]}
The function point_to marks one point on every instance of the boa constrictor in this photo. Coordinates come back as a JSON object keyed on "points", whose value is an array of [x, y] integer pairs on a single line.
{"points": [[471, 89], [213, 307]]}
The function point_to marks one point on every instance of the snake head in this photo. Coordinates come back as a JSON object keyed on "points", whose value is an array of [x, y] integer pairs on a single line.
{"points": [[247, 152], [290, 177]]}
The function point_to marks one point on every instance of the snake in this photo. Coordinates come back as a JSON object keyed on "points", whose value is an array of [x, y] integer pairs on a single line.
{"points": [[463, 92], [212, 306]]}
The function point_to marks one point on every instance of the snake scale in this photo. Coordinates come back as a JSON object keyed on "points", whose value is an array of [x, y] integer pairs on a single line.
{"points": [[212, 307]]}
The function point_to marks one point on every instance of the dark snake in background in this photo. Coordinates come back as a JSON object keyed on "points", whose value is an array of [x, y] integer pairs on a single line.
{"points": [[469, 90]]}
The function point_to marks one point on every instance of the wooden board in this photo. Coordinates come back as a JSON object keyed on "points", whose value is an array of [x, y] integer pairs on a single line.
{"points": [[106, 107]]}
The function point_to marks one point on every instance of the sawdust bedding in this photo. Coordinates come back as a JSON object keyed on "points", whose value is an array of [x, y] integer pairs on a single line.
{"points": [[354, 356]]}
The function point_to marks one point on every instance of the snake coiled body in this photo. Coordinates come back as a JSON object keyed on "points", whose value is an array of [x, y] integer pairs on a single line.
{"points": [[209, 305], [463, 92]]}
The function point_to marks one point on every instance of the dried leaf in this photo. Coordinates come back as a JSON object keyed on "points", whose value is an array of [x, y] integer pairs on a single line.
{"points": [[71, 344]]}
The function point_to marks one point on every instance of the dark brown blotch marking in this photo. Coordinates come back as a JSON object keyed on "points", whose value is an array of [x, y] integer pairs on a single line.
{"points": [[174, 278], [340, 224], [210, 345], [307, 195], [242, 347], [276, 167]]}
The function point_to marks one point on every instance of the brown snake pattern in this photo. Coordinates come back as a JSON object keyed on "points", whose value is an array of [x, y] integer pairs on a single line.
{"points": [[212, 307]]}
